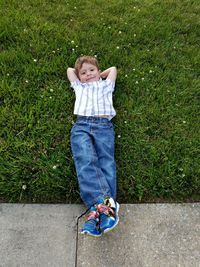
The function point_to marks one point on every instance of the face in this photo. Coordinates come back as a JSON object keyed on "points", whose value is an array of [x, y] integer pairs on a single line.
{"points": [[89, 73]]}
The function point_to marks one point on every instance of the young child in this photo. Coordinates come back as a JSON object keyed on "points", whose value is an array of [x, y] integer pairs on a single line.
{"points": [[92, 143]]}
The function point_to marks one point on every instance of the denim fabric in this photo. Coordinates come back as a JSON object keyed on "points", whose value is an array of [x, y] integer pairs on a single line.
{"points": [[92, 143]]}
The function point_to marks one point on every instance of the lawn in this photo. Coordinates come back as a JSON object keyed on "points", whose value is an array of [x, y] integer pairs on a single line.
{"points": [[155, 46]]}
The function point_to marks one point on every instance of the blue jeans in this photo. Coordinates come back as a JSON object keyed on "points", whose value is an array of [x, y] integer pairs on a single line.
{"points": [[92, 143]]}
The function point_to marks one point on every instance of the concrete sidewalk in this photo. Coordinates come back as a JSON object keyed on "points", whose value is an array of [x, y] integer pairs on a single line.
{"points": [[163, 235]]}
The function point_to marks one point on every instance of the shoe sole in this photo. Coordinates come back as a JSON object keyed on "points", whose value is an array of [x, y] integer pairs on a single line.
{"points": [[117, 220], [90, 234]]}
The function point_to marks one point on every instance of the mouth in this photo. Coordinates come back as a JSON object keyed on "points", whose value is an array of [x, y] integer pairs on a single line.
{"points": [[91, 78]]}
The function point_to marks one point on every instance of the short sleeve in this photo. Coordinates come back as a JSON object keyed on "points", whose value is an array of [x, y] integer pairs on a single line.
{"points": [[75, 83], [110, 83]]}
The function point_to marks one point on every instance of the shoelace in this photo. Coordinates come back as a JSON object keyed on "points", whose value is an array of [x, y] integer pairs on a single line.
{"points": [[93, 215], [102, 208]]}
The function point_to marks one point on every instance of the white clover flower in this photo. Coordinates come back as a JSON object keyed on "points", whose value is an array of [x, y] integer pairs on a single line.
{"points": [[8, 74], [136, 82], [133, 69], [126, 75], [72, 41], [120, 32], [54, 51], [134, 34], [184, 122], [51, 90], [35, 60], [50, 97], [24, 187], [109, 27], [54, 167], [117, 47], [142, 79], [26, 81], [150, 71], [125, 122], [119, 136]]}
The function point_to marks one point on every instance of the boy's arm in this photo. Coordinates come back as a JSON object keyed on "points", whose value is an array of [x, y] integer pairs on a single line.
{"points": [[71, 75], [110, 73]]}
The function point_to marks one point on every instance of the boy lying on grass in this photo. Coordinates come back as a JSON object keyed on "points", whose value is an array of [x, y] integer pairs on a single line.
{"points": [[92, 143]]}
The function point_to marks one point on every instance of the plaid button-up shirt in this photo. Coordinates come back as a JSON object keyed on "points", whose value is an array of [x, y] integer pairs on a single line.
{"points": [[94, 98]]}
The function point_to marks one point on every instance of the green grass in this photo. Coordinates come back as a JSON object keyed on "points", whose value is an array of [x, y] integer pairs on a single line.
{"points": [[155, 46]]}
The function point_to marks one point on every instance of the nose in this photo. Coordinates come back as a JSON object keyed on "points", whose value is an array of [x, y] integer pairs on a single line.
{"points": [[88, 73]]}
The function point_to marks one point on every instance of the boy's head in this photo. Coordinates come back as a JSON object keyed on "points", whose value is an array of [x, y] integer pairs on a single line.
{"points": [[87, 69]]}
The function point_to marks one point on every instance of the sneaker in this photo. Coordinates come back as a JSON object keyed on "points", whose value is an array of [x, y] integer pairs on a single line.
{"points": [[108, 211], [91, 225]]}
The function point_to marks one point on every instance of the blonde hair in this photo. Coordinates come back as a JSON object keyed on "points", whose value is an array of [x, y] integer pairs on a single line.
{"points": [[85, 59]]}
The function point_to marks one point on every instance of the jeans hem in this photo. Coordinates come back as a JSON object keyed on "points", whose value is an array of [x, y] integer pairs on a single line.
{"points": [[94, 201]]}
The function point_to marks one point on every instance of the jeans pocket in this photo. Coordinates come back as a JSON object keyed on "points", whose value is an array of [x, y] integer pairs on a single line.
{"points": [[107, 125]]}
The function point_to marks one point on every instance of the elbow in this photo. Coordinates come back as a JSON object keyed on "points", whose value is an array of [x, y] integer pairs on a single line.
{"points": [[69, 70], [114, 69]]}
